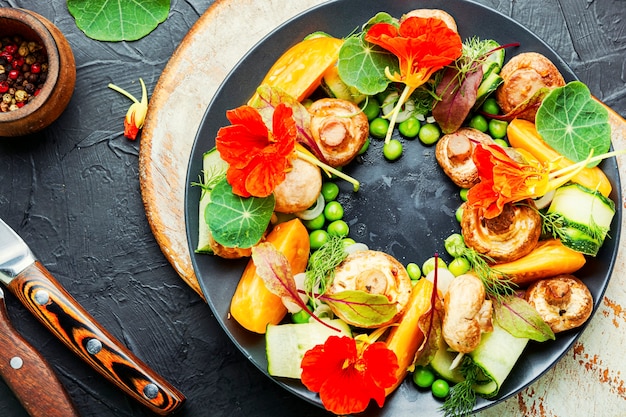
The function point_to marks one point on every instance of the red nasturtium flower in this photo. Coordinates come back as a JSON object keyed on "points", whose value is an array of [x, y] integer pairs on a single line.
{"points": [[422, 45], [503, 180], [348, 373], [136, 114], [258, 159]]}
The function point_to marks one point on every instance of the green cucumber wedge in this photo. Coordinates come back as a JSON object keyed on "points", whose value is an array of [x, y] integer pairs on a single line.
{"points": [[586, 217], [496, 356], [286, 344], [213, 167]]}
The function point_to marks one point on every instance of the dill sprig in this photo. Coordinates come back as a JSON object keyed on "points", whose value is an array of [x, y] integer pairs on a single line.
{"points": [[320, 270], [210, 178], [497, 284], [462, 398]]}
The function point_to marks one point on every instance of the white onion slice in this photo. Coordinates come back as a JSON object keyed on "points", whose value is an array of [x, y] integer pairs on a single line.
{"points": [[390, 102], [323, 311], [355, 247], [545, 200], [313, 212], [444, 278], [291, 306]]}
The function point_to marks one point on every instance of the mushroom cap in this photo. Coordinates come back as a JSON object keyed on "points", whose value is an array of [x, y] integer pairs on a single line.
{"points": [[507, 237], [454, 155], [436, 13], [564, 301], [523, 75], [339, 128], [300, 188], [467, 313], [374, 272]]}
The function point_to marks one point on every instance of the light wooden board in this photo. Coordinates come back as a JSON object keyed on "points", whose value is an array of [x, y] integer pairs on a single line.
{"points": [[589, 379]]}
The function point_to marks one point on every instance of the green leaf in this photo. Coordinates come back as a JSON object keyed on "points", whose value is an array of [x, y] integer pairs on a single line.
{"points": [[573, 123], [273, 267], [118, 20], [520, 319], [234, 221], [362, 308], [362, 65]]}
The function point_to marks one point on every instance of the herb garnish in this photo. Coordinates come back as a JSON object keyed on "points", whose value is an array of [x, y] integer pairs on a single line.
{"points": [[462, 398], [322, 263]]}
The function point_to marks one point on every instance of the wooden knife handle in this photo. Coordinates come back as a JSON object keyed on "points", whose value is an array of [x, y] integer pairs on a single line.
{"points": [[30, 377], [39, 291]]}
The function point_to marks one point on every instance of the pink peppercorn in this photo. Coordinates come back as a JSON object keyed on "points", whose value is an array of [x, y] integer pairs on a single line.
{"points": [[13, 74], [4, 87]]}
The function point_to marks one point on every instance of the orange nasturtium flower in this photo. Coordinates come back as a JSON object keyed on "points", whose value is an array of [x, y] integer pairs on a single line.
{"points": [[136, 114], [504, 180], [258, 159], [348, 373], [422, 46]]}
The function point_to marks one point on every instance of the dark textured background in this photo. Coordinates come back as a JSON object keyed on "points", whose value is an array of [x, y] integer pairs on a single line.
{"points": [[72, 193]]}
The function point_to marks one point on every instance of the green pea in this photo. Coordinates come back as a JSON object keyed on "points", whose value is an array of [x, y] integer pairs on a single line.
{"points": [[463, 193], [429, 134], [414, 271], [440, 388], [459, 213], [300, 317], [497, 128], [365, 146], [410, 127], [429, 265], [333, 211], [330, 191], [338, 228], [316, 223], [372, 108], [490, 106], [479, 122], [459, 266], [378, 127], [423, 377], [392, 150], [455, 245], [503, 143], [318, 238], [348, 241]]}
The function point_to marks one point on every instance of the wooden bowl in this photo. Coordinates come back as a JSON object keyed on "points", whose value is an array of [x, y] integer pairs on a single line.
{"points": [[58, 88]]}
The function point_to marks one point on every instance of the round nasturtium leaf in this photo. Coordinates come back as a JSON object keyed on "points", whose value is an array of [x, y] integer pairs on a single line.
{"points": [[118, 20], [572, 122], [237, 222]]}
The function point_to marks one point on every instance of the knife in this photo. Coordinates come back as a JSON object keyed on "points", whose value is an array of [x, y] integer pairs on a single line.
{"points": [[29, 375], [40, 292]]}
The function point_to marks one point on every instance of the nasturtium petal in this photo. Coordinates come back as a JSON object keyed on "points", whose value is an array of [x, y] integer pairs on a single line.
{"points": [[118, 20], [572, 122], [234, 221]]}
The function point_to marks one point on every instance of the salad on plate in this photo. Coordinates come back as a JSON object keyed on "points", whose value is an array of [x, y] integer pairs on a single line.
{"points": [[521, 145]]}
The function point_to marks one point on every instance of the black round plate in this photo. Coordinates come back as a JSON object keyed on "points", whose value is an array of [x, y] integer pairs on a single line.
{"points": [[405, 208]]}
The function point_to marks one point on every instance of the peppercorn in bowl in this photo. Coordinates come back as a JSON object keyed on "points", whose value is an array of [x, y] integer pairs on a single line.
{"points": [[37, 72]]}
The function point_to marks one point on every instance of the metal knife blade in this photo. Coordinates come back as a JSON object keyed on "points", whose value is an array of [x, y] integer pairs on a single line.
{"points": [[40, 292], [29, 375]]}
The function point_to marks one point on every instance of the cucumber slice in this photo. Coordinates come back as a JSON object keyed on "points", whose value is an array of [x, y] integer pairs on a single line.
{"points": [[496, 355], [212, 167], [286, 344], [586, 215], [487, 86], [334, 86]]}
